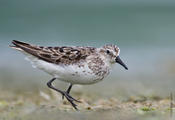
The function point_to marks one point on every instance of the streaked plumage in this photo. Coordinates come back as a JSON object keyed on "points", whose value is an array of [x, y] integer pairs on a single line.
{"points": [[75, 65]]}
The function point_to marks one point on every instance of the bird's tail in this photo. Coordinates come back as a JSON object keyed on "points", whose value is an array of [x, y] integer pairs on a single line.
{"points": [[18, 45], [25, 47]]}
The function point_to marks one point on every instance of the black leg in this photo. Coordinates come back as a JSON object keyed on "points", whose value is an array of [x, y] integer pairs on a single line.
{"points": [[68, 90], [49, 84], [66, 94]]}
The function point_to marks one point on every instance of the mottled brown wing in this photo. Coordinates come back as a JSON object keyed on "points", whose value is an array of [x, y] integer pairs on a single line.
{"points": [[56, 55]]}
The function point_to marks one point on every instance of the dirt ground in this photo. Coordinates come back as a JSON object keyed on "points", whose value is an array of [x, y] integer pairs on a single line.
{"points": [[16, 105]]}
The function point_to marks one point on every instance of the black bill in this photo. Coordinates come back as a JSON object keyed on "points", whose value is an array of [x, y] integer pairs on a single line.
{"points": [[119, 61]]}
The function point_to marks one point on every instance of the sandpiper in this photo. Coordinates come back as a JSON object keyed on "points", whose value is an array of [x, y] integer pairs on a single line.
{"points": [[75, 64]]}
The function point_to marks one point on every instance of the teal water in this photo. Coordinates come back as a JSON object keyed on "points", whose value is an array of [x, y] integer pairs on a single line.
{"points": [[57, 23]]}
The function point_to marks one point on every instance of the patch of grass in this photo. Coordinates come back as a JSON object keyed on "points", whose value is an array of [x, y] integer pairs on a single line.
{"points": [[146, 109]]}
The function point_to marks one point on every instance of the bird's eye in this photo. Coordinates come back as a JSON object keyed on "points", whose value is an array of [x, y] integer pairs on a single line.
{"points": [[107, 51]]}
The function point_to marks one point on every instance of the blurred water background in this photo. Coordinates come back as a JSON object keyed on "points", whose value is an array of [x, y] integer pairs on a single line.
{"points": [[144, 31]]}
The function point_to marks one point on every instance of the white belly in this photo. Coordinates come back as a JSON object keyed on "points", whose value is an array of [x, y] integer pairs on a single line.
{"points": [[68, 73]]}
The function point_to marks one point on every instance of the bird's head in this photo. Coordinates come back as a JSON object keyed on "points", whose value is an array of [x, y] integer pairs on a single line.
{"points": [[111, 52]]}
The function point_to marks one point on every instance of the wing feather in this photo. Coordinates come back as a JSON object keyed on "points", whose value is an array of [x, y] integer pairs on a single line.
{"points": [[56, 55]]}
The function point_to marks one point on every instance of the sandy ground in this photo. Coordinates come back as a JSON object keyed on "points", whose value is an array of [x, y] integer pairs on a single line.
{"points": [[15, 105]]}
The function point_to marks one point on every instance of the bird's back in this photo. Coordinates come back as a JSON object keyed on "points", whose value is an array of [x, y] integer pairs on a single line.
{"points": [[71, 64], [57, 55]]}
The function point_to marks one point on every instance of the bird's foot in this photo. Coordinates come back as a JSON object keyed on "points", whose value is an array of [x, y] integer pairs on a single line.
{"points": [[70, 99]]}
